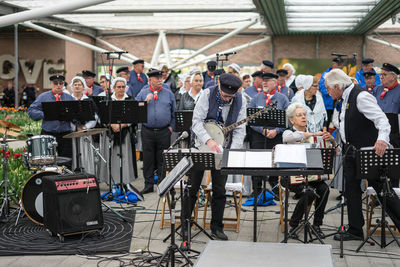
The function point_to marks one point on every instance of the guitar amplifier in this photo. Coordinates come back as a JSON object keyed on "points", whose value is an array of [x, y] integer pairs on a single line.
{"points": [[71, 204]]}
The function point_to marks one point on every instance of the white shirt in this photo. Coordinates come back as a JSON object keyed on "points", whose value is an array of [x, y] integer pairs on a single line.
{"points": [[200, 114], [367, 105]]}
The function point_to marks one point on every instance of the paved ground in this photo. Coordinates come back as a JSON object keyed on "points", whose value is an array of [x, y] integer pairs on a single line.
{"points": [[268, 231]]}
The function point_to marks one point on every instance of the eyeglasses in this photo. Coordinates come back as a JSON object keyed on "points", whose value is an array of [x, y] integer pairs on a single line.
{"points": [[225, 95], [301, 114]]}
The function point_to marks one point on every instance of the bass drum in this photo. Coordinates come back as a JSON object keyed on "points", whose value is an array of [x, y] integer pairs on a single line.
{"points": [[32, 196]]}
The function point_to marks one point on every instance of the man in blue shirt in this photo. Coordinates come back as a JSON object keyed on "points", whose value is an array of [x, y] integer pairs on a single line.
{"points": [[367, 66], [281, 84], [137, 79], [256, 88], [209, 75], [267, 66], [156, 132], [93, 88], [337, 63], [369, 77], [267, 138], [55, 128]]}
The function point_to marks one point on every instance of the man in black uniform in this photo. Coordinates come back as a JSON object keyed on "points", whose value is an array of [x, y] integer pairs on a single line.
{"points": [[362, 123]]}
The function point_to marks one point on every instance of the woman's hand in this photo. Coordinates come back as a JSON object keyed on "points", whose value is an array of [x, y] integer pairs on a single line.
{"points": [[328, 137]]}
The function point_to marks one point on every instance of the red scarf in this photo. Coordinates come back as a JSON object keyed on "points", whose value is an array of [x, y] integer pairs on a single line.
{"points": [[58, 96], [370, 90], [138, 77], [155, 93], [269, 96], [385, 90], [259, 89], [87, 90], [278, 87]]}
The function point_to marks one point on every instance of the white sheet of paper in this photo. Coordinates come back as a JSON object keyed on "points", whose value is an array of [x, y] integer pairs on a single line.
{"points": [[236, 159], [285, 153], [259, 159]]}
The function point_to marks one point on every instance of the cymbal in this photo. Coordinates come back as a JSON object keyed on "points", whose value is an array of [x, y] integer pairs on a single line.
{"points": [[8, 140], [8, 132], [87, 132], [10, 125]]}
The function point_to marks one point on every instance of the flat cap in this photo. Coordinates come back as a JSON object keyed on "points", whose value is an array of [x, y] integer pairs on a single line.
{"points": [[230, 83], [369, 74], [211, 63], [338, 60]]}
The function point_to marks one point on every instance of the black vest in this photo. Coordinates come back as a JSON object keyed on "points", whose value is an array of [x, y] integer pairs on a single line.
{"points": [[359, 130]]}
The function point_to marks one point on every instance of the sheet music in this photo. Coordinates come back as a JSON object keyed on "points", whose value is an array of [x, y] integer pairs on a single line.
{"points": [[249, 159], [290, 155]]}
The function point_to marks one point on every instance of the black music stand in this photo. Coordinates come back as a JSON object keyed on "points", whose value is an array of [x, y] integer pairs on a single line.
{"points": [[313, 167], [201, 161], [327, 155], [123, 111], [73, 111], [183, 122], [379, 169], [273, 118], [165, 186]]}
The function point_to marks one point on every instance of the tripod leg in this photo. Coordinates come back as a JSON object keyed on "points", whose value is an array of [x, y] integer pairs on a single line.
{"points": [[369, 236], [116, 212], [392, 233]]}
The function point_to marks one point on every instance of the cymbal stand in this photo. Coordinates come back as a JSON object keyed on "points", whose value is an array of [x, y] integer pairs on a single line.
{"points": [[5, 205], [95, 150]]}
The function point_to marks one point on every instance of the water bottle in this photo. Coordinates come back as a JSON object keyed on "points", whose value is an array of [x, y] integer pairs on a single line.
{"points": [[114, 190], [155, 178]]}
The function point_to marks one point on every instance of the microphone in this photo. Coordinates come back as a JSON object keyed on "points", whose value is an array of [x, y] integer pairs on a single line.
{"points": [[184, 135], [227, 54]]}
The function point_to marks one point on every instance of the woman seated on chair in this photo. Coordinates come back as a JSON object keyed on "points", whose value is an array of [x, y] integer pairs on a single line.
{"points": [[298, 133]]}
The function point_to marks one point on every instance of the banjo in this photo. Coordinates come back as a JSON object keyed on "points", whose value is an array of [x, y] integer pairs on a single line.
{"points": [[220, 133]]}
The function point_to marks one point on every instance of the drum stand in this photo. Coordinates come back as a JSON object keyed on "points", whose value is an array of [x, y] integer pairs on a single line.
{"points": [[5, 205]]}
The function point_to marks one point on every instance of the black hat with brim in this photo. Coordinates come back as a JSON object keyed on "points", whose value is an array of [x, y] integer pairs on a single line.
{"points": [[122, 69], [211, 63], [390, 67], [57, 78], [154, 73], [258, 73], [369, 74], [282, 72], [366, 61], [338, 60], [230, 83], [88, 73], [138, 61], [268, 63], [269, 75]]}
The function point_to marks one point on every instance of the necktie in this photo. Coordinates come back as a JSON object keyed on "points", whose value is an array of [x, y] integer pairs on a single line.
{"points": [[259, 89], [269, 96], [58, 96], [385, 90], [155, 93]]}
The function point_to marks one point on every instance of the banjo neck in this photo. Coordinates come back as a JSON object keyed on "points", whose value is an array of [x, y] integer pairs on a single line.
{"points": [[229, 128]]}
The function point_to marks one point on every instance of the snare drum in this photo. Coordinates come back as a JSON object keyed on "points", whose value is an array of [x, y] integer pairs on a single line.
{"points": [[41, 150], [32, 196]]}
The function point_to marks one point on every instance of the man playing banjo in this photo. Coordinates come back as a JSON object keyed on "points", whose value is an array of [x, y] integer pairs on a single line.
{"points": [[223, 104]]}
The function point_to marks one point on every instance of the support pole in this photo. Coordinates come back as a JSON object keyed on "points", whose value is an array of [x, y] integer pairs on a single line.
{"points": [[70, 39], [233, 49], [48, 10], [216, 42], [16, 65], [157, 49], [166, 49], [317, 46], [384, 42]]}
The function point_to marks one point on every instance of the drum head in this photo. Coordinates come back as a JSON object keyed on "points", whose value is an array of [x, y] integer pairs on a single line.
{"points": [[32, 196]]}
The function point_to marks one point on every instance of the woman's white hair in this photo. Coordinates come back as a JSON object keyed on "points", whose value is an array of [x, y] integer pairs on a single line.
{"points": [[118, 79], [290, 66], [337, 77], [194, 75], [291, 109], [78, 78]]}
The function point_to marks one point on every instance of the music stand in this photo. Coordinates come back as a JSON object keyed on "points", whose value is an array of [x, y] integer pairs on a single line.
{"points": [[123, 111], [165, 186], [379, 169], [327, 156], [201, 161], [73, 111], [183, 120], [394, 129]]}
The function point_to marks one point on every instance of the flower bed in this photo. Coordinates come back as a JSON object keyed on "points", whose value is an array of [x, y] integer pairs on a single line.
{"points": [[20, 117]]}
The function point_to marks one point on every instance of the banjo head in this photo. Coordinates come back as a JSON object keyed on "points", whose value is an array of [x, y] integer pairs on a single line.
{"points": [[215, 131]]}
